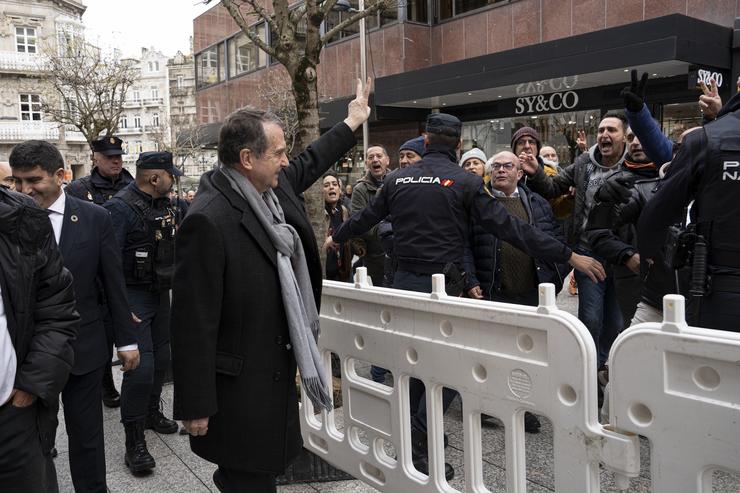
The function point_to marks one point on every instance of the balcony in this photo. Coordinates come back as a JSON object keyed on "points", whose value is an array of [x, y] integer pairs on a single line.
{"points": [[153, 102], [132, 103], [129, 131], [20, 131], [181, 93], [12, 61]]}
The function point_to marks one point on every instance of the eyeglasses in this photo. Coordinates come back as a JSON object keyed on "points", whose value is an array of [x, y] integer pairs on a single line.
{"points": [[507, 166]]}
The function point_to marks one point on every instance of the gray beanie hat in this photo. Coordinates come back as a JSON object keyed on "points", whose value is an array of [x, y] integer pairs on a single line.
{"points": [[474, 152]]}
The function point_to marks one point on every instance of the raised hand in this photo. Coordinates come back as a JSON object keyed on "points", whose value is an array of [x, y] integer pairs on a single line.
{"points": [[710, 101], [634, 95], [582, 141], [358, 110], [529, 163]]}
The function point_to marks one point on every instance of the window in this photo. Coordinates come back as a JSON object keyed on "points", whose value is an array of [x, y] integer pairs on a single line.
{"points": [[154, 91], [450, 8], [137, 146], [155, 120], [137, 122], [137, 95], [206, 65], [25, 39], [222, 61], [124, 122], [180, 81], [245, 55], [153, 66], [417, 11], [30, 107]]}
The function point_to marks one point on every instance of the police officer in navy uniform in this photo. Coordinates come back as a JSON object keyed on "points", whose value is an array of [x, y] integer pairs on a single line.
{"points": [[106, 179], [706, 170], [144, 225], [432, 204]]}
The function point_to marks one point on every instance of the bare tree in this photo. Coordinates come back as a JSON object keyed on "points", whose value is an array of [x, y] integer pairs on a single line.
{"points": [[296, 44], [276, 96], [89, 87]]}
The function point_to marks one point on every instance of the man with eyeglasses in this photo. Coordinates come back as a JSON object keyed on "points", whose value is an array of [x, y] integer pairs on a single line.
{"points": [[144, 225]]}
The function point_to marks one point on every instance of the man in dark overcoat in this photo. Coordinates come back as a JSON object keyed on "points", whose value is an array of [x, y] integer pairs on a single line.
{"points": [[245, 299]]}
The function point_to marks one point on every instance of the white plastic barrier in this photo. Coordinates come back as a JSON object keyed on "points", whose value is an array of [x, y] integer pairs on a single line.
{"points": [[502, 359], [680, 387]]}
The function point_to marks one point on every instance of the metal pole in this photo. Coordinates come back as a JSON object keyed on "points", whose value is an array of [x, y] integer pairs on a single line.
{"points": [[363, 75]]}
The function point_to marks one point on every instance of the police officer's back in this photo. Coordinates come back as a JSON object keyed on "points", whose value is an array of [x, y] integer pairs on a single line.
{"points": [[107, 178], [707, 170], [431, 204]]}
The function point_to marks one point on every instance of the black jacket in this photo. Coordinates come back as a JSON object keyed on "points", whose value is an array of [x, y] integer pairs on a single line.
{"points": [[231, 356], [432, 203], [96, 189], [304, 170], [39, 303], [483, 259], [92, 255]]}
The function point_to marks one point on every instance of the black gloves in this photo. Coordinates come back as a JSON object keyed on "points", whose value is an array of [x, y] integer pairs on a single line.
{"points": [[615, 190], [634, 95]]}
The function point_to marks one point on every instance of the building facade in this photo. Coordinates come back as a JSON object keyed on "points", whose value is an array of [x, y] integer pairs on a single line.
{"points": [[556, 65], [27, 31], [144, 121], [183, 121]]}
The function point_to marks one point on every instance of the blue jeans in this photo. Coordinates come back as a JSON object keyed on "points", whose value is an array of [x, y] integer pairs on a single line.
{"points": [[599, 311], [142, 387]]}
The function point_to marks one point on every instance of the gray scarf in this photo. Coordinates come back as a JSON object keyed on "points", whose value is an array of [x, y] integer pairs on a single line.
{"points": [[295, 283]]}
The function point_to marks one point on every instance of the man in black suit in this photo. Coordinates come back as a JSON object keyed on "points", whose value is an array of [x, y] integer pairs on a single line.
{"points": [[90, 252], [236, 334]]}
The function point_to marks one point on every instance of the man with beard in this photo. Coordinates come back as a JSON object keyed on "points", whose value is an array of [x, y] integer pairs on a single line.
{"points": [[368, 246], [144, 225], [619, 247], [598, 307]]}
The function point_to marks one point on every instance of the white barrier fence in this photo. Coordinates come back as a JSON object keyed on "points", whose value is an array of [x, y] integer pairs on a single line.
{"points": [[678, 386]]}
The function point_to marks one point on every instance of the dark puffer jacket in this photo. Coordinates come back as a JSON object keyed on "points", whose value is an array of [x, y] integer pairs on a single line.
{"points": [[483, 257], [39, 303]]}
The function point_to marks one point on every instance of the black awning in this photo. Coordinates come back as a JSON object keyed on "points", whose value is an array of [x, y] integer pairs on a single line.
{"points": [[203, 136], [673, 37]]}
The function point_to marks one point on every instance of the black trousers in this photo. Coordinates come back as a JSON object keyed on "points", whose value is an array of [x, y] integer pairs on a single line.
{"points": [[238, 481], [83, 417], [23, 466]]}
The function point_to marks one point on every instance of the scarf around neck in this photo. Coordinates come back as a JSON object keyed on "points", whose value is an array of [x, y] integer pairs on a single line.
{"points": [[295, 284]]}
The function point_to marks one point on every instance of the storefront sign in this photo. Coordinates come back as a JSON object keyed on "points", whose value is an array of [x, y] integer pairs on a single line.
{"points": [[706, 75], [547, 85], [557, 101]]}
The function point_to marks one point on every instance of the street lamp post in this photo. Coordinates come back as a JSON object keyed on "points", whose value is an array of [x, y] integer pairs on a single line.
{"points": [[344, 6]]}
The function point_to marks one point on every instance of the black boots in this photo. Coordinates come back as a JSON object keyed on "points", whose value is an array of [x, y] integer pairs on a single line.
{"points": [[137, 457], [111, 397], [419, 454], [157, 421]]}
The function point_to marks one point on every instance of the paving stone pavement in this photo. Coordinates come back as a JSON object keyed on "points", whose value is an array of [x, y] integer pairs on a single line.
{"points": [[180, 471]]}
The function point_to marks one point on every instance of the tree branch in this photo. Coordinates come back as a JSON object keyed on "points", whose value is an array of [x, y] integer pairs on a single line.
{"points": [[248, 30], [375, 7]]}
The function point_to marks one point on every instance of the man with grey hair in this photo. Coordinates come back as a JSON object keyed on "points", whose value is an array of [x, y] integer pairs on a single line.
{"points": [[246, 298]]}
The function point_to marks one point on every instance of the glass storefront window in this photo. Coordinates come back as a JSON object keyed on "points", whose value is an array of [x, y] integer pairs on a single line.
{"points": [[245, 55], [558, 130], [679, 117]]}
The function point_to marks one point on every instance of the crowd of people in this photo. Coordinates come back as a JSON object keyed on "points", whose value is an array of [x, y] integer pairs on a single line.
{"points": [[94, 265]]}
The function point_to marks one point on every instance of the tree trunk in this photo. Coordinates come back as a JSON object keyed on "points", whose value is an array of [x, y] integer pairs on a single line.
{"points": [[307, 105]]}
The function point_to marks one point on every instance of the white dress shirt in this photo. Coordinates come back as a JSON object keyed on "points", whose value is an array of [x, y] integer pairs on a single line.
{"points": [[7, 357], [56, 216]]}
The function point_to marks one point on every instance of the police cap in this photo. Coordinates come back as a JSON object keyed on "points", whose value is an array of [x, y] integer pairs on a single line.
{"points": [[108, 146], [442, 123], [157, 160]]}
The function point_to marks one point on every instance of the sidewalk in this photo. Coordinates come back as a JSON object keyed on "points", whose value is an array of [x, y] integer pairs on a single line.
{"points": [[180, 471]]}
